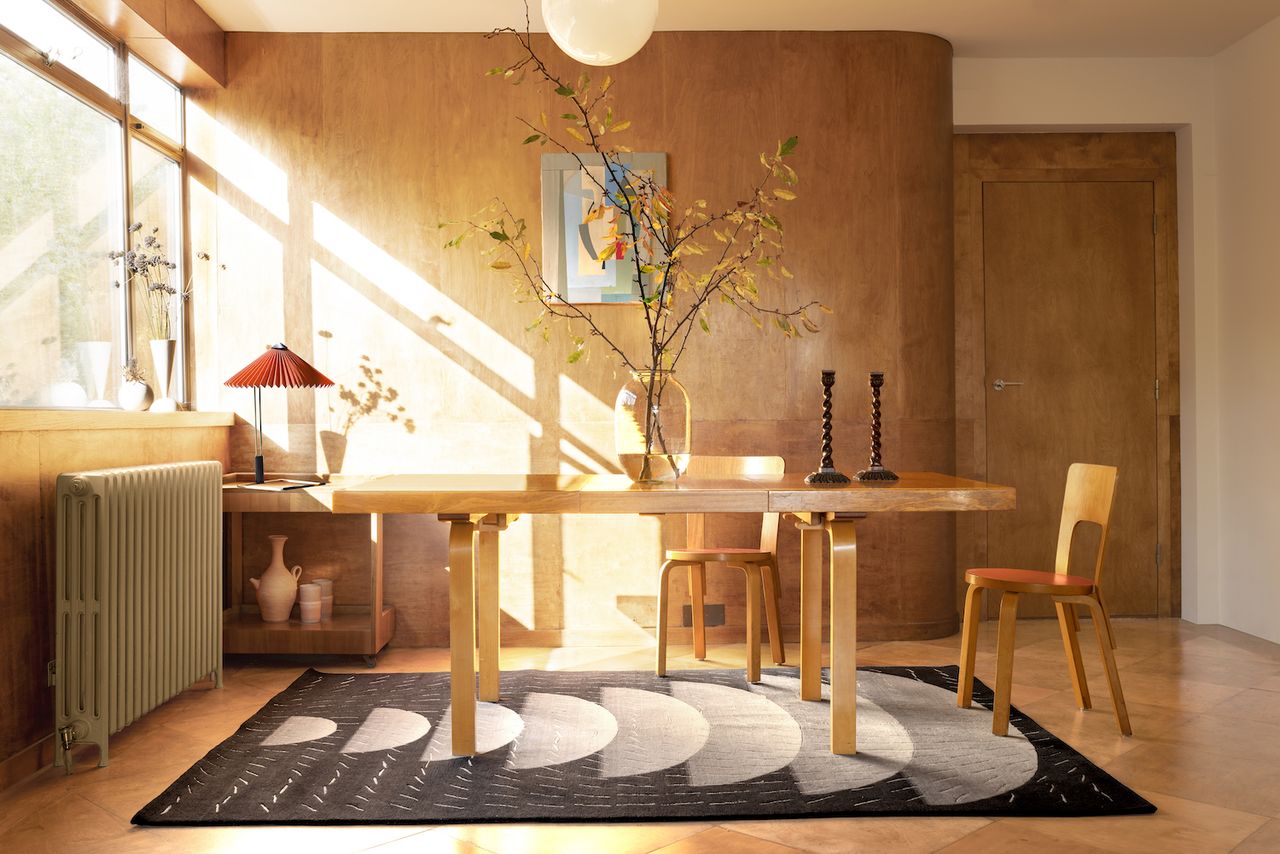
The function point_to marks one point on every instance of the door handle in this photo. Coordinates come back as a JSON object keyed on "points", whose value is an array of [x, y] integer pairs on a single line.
{"points": [[1000, 385]]}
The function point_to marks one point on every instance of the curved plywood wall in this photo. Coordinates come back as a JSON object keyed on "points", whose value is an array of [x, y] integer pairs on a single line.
{"points": [[320, 173]]}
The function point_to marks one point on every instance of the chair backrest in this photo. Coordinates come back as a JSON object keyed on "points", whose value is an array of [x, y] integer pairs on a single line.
{"points": [[1088, 498], [707, 466]]}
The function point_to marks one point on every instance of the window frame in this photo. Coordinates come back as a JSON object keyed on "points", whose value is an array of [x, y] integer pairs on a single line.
{"points": [[131, 128]]}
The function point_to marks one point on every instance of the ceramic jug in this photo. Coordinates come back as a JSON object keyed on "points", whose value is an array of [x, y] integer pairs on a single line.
{"points": [[278, 586]]}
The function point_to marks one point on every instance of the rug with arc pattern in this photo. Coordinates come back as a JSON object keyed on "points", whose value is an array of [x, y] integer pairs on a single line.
{"points": [[627, 746]]}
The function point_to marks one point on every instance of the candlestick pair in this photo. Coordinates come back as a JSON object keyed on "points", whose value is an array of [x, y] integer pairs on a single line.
{"points": [[827, 475]]}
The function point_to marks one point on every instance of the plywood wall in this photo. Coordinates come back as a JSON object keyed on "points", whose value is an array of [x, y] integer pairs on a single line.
{"points": [[318, 178]]}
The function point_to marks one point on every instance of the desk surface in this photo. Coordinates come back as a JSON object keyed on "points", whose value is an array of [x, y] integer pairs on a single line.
{"points": [[788, 493]]}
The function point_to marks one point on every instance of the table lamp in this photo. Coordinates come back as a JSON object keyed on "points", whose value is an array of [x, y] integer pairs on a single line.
{"points": [[279, 367]]}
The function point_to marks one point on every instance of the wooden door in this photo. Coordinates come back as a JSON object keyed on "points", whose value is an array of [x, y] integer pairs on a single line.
{"points": [[1069, 269]]}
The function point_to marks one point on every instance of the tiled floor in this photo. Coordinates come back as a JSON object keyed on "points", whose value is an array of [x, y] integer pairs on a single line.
{"points": [[1205, 703]]}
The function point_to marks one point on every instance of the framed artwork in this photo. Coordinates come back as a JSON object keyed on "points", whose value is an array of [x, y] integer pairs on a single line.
{"points": [[570, 247]]}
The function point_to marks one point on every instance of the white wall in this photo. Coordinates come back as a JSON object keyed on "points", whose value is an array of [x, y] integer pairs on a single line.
{"points": [[1142, 94], [1248, 122]]}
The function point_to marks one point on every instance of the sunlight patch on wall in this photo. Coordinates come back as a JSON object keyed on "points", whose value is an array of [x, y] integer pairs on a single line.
{"points": [[608, 557], [238, 162], [424, 301], [460, 424], [251, 262]]}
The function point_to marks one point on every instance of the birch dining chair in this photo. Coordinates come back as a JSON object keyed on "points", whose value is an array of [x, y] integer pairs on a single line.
{"points": [[1089, 493], [758, 563]]}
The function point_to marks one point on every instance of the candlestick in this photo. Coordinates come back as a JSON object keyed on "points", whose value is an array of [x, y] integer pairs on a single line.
{"points": [[826, 475], [876, 471]]}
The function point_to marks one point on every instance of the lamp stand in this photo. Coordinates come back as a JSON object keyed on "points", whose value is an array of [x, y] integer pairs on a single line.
{"points": [[258, 473]]}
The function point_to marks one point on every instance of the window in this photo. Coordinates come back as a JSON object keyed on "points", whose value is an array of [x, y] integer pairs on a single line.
{"points": [[71, 318], [54, 34], [154, 100]]}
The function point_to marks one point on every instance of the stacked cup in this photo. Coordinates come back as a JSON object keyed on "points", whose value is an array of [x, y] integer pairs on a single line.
{"points": [[326, 598], [309, 602]]}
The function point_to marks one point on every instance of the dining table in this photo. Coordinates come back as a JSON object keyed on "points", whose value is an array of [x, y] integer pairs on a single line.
{"points": [[478, 507]]}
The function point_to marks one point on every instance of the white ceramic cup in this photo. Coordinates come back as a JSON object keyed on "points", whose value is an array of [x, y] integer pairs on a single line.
{"points": [[326, 597], [310, 611], [309, 592]]}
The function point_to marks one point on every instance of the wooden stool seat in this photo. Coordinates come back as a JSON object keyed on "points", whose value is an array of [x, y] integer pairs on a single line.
{"points": [[759, 564], [718, 555], [1029, 581]]}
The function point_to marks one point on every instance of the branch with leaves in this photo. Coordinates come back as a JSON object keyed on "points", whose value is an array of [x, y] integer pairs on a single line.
{"points": [[683, 261]]}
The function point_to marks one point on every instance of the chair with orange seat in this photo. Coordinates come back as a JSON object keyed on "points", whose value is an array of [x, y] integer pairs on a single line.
{"points": [[1089, 493], [759, 564]]}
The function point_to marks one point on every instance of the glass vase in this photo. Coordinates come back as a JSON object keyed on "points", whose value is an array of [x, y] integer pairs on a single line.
{"points": [[652, 426]]}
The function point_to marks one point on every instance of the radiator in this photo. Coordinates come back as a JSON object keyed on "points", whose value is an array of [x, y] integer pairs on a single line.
{"points": [[139, 595]]}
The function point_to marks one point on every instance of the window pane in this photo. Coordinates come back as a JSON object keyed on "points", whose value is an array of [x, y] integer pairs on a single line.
{"points": [[154, 100], [60, 209], [157, 208], [64, 40]]}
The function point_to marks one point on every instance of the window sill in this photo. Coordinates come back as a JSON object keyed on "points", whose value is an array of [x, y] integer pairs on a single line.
{"points": [[108, 419]]}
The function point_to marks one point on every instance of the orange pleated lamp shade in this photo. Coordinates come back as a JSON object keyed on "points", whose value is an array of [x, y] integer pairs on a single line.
{"points": [[279, 367]]}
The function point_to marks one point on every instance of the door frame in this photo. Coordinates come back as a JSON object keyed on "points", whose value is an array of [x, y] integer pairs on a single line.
{"points": [[1011, 157]]}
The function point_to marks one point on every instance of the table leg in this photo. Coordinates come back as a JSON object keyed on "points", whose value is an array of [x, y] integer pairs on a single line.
{"points": [[462, 635], [844, 636], [810, 611], [487, 602]]}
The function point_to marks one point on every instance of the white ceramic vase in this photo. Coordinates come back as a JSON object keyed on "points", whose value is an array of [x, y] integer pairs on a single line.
{"points": [[162, 350], [278, 586], [134, 395], [95, 357]]}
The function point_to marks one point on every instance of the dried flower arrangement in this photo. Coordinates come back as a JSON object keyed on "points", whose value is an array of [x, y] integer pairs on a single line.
{"points": [[147, 264]]}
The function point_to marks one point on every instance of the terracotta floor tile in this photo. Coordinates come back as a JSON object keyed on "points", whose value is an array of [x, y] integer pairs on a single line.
{"points": [[1201, 774], [1178, 827], [1264, 840], [576, 838], [899, 835], [1006, 837], [721, 840]]}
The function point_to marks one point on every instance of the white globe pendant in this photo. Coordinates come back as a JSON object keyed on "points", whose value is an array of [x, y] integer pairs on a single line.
{"points": [[600, 32]]}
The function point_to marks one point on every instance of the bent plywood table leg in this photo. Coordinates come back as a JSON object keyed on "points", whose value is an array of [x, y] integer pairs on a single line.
{"points": [[462, 633], [844, 633], [488, 604], [810, 607]]}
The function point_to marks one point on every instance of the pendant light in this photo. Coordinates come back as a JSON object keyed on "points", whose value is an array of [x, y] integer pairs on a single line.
{"points": [[600, 32]]}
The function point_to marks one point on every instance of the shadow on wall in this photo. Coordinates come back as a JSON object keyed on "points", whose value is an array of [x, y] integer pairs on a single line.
{"points": [[369, 396], [317, 273]]}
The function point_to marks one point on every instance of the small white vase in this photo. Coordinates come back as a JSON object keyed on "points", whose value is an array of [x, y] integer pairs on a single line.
{"points": [[95, 357], [162, 350], [134, 395], [278, 586], [67, 394]]}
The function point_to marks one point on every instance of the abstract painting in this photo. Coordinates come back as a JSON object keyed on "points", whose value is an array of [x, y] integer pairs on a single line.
{"points": [[571, 246]]}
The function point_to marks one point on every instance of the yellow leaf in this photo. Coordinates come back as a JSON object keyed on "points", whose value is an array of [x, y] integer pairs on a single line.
{"points": [[604, 87], [621, 126], [573, 132], [501, 265], [785, 195]]}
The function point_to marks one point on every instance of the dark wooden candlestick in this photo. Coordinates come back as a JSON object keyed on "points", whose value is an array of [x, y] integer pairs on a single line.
{"points": [[826, 475], [875, 471]]}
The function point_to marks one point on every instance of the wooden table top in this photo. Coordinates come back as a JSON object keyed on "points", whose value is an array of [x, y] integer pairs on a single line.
{"points": [[539, 493]]}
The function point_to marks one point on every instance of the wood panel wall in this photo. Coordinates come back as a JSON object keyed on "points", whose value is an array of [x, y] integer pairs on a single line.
{"points": [[35, 447], [322, 169]]}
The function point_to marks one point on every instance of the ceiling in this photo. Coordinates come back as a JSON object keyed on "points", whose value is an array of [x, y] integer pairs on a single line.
{"points": [[975, 27]]}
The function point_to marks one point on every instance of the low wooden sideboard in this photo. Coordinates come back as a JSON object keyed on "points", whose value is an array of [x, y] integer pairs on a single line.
{"points": [[354, 629]]}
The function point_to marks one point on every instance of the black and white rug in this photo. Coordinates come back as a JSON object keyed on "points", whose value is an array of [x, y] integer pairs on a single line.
{"points": [[614, 746]]}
